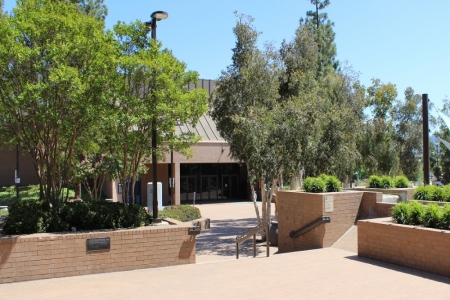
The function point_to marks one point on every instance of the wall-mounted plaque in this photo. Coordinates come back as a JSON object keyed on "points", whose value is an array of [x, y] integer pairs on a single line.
{"points": [[329, 204], [98, 244]]}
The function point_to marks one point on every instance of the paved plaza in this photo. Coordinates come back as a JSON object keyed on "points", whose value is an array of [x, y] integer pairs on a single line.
{"points": [[331, 273]]}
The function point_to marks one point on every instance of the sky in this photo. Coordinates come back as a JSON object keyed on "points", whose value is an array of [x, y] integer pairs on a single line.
{"points": [[404, 42]]}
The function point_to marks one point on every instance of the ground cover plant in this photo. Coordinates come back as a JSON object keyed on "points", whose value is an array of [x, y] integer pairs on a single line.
{"points": [[183, 213], [415, 213], [322, 184]]}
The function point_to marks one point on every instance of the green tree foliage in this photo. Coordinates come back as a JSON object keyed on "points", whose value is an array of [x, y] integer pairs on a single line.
{"points": [[245, 108], [321, 114], [322, 29], [93, 8], [55, 68], [408, 133], [377, 143], [151, 91], [444, 153]]}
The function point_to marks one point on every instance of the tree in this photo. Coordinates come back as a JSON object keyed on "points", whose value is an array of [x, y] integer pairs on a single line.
{"points": [[377, 145], [444, 134], [322, 29], [151, 89], [56, 67], [245, 110], [407, 116], [93, 8]]}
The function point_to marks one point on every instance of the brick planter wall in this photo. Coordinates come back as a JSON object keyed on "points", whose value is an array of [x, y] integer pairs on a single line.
{"points": [[297, 209], [40, 256], [419, 248]]}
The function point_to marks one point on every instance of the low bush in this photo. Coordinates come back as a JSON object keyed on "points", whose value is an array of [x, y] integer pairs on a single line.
{"points": [[401, 213], [435, 193], [421, 193], [446, 190], [401, 182], [432, 216], [314, 185], [332, 184], [183, 213], [415, 213], [387, 182], [445, 222], [374, 181], [33, 216], [432, 193]]}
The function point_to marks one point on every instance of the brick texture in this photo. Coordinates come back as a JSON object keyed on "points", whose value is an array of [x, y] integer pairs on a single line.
{"points": [[40, 256], [419, 248], [298, 209]]}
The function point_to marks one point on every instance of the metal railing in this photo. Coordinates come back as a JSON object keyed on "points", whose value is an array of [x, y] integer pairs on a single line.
{"points": [[242, 238], [319, 221]]}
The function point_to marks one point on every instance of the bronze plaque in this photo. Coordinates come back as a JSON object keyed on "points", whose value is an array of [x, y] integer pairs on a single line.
{"points": [[98, 244]]}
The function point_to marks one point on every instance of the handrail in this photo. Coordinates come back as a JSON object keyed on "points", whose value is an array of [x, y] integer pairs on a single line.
{"points": [[319, 221], [242, 238]]}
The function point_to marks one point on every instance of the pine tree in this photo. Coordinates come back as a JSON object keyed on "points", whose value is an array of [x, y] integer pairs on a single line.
{"points": [[322, 28]]}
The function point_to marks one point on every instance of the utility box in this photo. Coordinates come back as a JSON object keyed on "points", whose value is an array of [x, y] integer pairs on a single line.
{"points": [[150, 196]]}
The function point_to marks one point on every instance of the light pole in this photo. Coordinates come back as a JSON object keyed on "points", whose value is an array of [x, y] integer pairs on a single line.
{"points": [[156, 16]]}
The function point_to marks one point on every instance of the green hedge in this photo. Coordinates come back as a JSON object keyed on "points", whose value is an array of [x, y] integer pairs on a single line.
{"points": [[33, 216], [183, 213], [387, 182], [414, 213], [432, 193], [322, 184]]}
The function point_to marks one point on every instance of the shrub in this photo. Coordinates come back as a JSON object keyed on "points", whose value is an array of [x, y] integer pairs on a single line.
{"points": [[445, 221], [416, 213], [401, 182], [432, 216], [34, 216], [446, 190], [401, 213], [421, 193], [332, 184], [374, 181], [183, 213], [435, 193], [314, 185], [387, 182], [26, 217]]}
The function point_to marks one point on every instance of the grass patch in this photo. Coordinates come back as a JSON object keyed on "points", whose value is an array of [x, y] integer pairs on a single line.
{"points": [[29, 192]]}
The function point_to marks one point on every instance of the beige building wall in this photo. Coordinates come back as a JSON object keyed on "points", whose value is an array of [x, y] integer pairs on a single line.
{"points": [[27, 173]]}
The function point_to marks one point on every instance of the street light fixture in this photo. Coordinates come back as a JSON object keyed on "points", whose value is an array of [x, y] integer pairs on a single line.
{"points": [[156, 16]]}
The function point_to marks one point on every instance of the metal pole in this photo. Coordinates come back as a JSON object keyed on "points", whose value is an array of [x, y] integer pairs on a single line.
{"points": [[171, 178], [254, 245], [426, 141], [17, 172], [154, 147]]}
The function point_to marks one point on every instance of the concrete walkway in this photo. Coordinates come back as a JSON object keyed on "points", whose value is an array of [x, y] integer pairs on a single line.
{"points": [[228, 220], [317, 274]]}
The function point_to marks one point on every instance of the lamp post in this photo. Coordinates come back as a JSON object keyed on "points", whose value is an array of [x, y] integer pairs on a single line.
{"points": [[156, 16]]}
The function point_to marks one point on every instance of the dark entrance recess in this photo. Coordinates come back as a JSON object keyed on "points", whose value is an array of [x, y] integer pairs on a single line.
{"points": [[212, 182]]}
